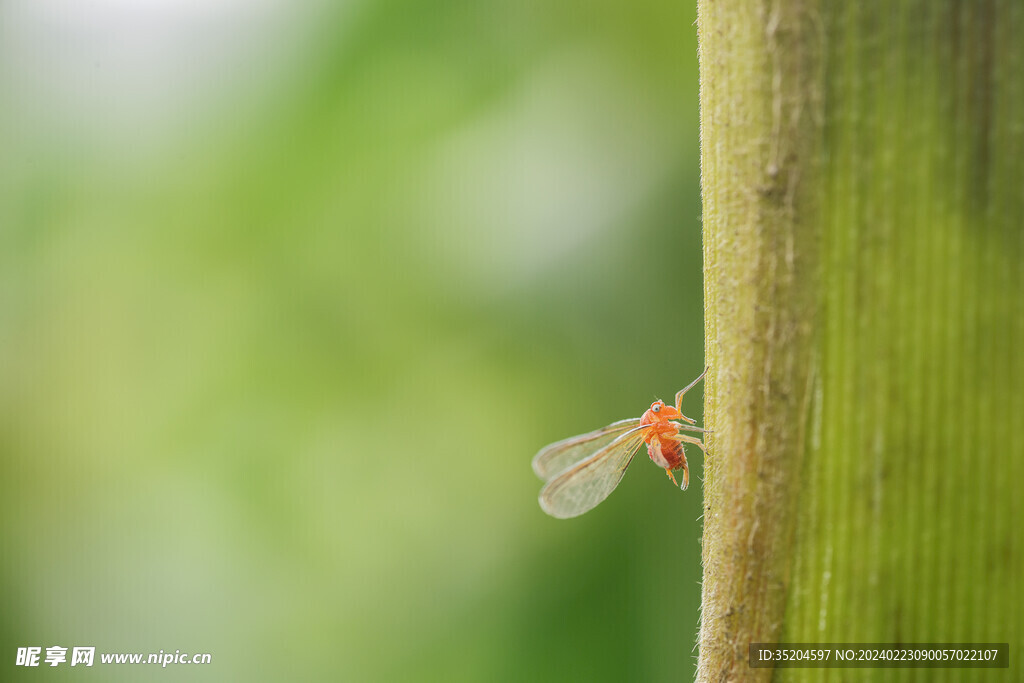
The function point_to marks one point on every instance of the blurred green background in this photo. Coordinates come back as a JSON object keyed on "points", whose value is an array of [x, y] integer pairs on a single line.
{"points": [[290, 294]]}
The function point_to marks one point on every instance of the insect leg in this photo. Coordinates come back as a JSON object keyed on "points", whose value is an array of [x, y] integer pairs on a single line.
{"points": [[693, 428], [673, 477], [690, 439], [682, 392]]}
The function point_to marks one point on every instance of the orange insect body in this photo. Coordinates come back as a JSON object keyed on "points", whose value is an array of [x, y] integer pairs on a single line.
{"points": [[662, 439], [583, 470]]}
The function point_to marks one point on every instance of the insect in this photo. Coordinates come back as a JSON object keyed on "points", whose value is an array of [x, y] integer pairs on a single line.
{"points": [[583, 470]]}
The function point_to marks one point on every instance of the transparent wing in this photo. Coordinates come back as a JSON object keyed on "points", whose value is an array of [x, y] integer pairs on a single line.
{"points": [[588, 482], [556, 457]]}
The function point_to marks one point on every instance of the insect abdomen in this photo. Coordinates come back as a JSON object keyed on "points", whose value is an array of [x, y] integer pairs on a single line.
{"points": [[666, 452]]}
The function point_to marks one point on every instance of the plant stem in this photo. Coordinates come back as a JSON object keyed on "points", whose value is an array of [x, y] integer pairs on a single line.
{"points": [[861, 170]]}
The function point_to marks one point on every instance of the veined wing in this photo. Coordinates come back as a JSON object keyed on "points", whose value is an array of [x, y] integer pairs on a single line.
{"points": [[556, 457], [588, 482]]}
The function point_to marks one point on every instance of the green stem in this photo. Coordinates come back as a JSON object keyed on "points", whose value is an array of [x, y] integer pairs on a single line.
{"points": [[861, 167]]}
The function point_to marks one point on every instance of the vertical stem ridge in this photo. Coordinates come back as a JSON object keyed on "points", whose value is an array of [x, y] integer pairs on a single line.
{"points": [[760, 235]]}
